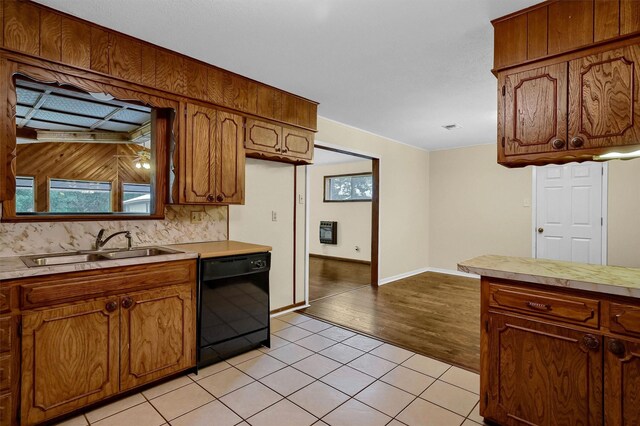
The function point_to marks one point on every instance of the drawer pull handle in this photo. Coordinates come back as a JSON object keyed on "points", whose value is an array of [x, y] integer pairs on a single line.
{"points": [[617, 348], [111, 306], [539, 306], [127, 302], [591, 342]]}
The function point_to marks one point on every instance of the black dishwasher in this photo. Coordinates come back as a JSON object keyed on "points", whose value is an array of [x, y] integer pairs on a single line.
{"points": [[233, 306]]}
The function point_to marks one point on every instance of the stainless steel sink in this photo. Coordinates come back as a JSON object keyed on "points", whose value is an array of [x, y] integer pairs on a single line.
{"points": [[142, 252], [91, 256]]}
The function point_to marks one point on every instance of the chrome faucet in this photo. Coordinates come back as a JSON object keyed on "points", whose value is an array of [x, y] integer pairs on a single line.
{"points": [[100, 242]]}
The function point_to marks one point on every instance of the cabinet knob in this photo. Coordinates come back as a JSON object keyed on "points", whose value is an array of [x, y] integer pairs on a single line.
{"points": [[127, 302], [558, 144], [111, 306], [219, 198], [210, 197], [617, 348], [591, 342], [284, 150], [577, 142], [278, 150]]}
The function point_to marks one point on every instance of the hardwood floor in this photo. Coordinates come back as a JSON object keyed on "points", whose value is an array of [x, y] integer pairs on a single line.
{"points": [[432, 314], [328, 277]]}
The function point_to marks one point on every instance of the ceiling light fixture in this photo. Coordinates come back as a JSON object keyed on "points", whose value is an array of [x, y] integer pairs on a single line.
{"points": [[143, 161], [453, 126], [617, 156]]}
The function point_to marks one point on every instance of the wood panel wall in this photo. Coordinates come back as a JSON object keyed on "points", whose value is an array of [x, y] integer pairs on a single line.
{"points": [[559, 26], [79, 161], [38, 31]]}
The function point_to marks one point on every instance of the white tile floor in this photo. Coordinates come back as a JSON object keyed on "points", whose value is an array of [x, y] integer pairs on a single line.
{"points": [[314, 374]]}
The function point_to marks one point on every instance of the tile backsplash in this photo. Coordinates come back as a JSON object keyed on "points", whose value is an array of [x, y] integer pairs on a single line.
{"points": [[18, 239]]}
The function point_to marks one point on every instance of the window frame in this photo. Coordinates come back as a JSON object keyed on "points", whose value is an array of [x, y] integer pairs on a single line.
{"points": [[35, 191], [324, 188], [49, 188]]}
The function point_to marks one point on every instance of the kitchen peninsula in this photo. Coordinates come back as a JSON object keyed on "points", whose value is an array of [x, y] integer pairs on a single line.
{"points": [[560, 341]]}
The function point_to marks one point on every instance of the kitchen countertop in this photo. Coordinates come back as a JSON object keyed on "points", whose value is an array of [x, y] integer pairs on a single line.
{"points": [[220, 248], [614, 280], [14, 267]]}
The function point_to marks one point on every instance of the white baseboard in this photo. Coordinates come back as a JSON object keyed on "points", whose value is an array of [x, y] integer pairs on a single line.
{"points": [[288, 311], [452, 272], [428, 269], [388, 280]]}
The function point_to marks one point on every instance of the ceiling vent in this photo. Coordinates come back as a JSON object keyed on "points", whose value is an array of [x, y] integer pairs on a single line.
{"points": [[453, 126]]}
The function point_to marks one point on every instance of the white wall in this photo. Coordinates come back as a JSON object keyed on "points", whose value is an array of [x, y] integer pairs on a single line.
{"points": [[269, 187], [404, 195], [624, 213], [354, 219]]}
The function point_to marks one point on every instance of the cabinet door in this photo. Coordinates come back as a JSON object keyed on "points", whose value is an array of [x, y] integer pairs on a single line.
{"points": [[263, 137], [604, 99], [200, 155], [621, 382], [69, 358], [158, 334], [297, 143], [232, 159], [535, 110], [540, 374]]}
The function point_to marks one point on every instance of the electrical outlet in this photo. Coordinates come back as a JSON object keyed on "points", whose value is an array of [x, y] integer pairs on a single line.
{"points": [[526, 202], [274, 216], [197, 217]]}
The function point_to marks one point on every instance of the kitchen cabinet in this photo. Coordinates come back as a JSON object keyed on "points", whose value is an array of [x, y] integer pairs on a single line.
{"points": [[542, 374], [214, 160], [69, 357], [570, 110], [157, 336], [558, 356], [90, 335], [622, 381], [281, 143]]}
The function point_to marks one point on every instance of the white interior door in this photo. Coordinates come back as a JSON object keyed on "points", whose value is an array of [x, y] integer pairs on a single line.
{"points": [[569, 212]]}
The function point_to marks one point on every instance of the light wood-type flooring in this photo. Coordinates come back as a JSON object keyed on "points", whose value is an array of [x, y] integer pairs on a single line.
{"points": [[328, 277], [432, 314]]}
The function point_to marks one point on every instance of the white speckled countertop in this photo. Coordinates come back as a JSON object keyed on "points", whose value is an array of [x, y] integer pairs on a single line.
{"points": [[14, 267], [614, 280]]}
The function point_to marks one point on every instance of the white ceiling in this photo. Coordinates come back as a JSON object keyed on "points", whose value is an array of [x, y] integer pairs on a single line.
{"points": [[398, 68]]}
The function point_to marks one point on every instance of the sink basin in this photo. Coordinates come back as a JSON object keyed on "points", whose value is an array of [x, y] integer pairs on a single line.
{"points": [[92, 256], [60, 259], [143, 252]]}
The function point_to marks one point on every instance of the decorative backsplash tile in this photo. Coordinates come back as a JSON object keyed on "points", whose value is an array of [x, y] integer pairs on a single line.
{"points": [[18, 239]]}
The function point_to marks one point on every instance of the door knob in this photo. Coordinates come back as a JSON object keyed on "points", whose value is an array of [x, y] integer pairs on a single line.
{"points": [[540, 230]]}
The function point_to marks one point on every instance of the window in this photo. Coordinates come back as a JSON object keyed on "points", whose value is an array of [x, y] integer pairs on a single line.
{"points": [[25, 195], [355, 187], [78, 196], [136, 198]]}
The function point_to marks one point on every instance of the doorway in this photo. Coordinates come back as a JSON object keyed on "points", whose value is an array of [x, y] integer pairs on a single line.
{"points": [[342, 189], [570, 212]]}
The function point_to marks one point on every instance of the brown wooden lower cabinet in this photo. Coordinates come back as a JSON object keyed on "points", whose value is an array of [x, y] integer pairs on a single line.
{"points": [[542, 374], [157, 336], [547, 370], [69, 357], [622, 382], [78, 351]]}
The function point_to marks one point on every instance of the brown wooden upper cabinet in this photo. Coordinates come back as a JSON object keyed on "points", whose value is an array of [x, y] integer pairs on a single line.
{"points": [[568, 84], [212, 168], [560, 26], [267, 140], [580, 105]]}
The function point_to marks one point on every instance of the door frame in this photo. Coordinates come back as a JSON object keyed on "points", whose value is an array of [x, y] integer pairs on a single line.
{"points": [[604, 204], [375, 211]]}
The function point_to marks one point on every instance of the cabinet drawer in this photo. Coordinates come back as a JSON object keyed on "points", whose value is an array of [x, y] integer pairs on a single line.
{"points": [[5, 410], [559, 307], [5, 306], [5, 334], [5, 373], [624, 319], [74, 286]]}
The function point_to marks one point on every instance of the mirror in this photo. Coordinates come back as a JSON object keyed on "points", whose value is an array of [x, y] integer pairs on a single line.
{"points": [[81, 153]]}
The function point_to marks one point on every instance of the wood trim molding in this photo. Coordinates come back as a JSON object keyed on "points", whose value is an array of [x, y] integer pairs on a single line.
{"points": [[286, 308], [339, 259]]}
